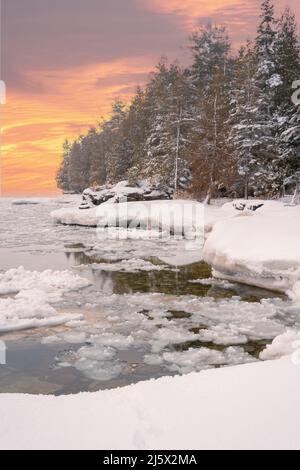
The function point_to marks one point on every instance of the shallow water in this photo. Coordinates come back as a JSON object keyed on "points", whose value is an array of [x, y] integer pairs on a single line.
{"points": [[139, 324]]}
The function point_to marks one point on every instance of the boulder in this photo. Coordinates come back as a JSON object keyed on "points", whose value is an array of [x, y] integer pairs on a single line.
{"points": [[123, 192]]}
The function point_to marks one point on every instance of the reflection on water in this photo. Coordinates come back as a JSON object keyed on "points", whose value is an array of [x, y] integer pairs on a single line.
{"points": [[174, 281], [32, 369]]}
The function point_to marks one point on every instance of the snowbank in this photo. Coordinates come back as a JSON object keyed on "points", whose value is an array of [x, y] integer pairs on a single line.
{"points": [[283, 345], [258, 248], [254, 406], [29, 295], [179, 217]]}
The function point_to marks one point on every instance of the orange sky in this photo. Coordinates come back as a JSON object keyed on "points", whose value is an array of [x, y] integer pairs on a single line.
{"points": [[64, 66]]}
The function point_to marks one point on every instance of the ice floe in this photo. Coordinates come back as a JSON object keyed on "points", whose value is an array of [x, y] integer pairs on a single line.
{"points": [[31, 295]]}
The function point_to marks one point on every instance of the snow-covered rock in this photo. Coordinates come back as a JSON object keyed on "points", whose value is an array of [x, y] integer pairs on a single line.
{"points": [[258, 248], [123, 191]]}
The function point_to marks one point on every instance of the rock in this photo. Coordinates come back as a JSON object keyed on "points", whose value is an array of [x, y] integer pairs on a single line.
{"points": [[241, 206], [123, 192]]}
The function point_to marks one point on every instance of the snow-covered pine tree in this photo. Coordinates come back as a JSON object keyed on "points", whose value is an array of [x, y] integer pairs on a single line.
{"points": [[116, 144], [263, 176], [94, 148], [63, 177], [290, 142], [138, 125], [210, 155], [165, 161], [243, 118], [288, 65], [79, 166], [210, 48]]}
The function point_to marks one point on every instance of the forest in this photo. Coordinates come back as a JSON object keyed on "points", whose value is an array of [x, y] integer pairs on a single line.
{"points": [[224, 126]]}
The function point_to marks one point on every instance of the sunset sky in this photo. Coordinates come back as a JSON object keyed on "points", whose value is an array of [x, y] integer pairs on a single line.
{"points": [[65, 61]]}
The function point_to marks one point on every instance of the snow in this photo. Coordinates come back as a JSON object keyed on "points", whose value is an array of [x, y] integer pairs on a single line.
{"points": [[258, 248], [283, 345], [177, 216], [30, 295], [121, 192], [53, 283], [254, 406], [199, 359]]}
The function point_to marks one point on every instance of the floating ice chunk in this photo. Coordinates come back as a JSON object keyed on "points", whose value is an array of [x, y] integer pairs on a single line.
{"points": [[96, 370], [199, 359], [96, 362], [153, 359], [51, 339], [113, 339], [223, 335], [35, 292], [50, 282], [168, 336], [96, 352]]}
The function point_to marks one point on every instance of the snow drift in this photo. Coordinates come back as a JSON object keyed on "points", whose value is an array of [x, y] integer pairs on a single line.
{"points": [[254, 406], [259, 248]]}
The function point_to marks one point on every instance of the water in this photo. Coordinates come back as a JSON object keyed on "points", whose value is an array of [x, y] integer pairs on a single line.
{"points": [[138, 324]]}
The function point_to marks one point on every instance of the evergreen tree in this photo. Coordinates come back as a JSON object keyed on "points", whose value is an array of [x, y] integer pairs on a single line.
{"points": [[63, 177], [92, 146], [227, 124], [79, 166], [210, 155], [243, 118], [262, 174], [210, 49], [165, 149], [114, 143], [288, 64]]}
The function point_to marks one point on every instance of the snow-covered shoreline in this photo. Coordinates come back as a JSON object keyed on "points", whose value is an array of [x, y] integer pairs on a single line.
{"points": [[254, 406], [258, 248], [251, 406]]}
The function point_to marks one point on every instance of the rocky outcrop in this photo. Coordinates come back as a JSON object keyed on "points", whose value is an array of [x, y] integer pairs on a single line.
{"points": [[123, 192]]}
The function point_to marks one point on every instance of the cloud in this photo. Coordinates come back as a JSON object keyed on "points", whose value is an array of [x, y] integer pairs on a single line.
{"points": [[239, 16], [59, 34], [65, 61], [35, 125]]}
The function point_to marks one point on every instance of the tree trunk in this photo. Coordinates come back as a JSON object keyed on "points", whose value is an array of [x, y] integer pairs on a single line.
{"points": [[177, 151], [247, 187]]}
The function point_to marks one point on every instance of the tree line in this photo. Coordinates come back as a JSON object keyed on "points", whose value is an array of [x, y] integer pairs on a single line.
{"points": [[225, 126]]}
